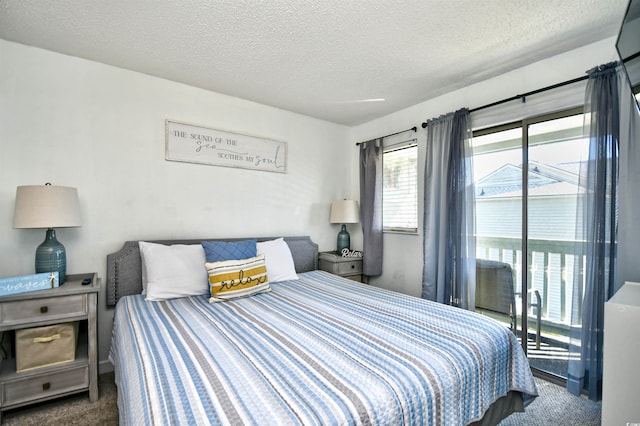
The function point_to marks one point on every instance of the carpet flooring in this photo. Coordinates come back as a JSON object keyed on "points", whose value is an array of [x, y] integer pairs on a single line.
{"points": [[554, 406]]}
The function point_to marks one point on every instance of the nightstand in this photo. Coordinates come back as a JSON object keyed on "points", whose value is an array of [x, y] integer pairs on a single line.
{"points": [[348, 267], [72, 301]]}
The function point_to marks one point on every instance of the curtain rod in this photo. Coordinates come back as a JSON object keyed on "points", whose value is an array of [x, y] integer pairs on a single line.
{"points": [[414, 128], [524, 95]]}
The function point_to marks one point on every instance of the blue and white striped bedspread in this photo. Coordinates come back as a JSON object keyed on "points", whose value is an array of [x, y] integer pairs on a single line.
{"points": [[320, 350]]}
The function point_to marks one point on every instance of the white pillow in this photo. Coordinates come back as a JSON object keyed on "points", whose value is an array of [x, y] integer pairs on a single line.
{"points": [[173, 271], [279, 261]]}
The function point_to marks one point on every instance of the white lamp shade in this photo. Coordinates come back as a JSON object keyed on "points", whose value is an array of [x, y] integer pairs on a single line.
{"points": [[46, 206], [345, 211]]}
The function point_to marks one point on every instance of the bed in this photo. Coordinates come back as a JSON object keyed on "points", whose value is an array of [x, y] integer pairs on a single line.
{"points": [[317, 350]]}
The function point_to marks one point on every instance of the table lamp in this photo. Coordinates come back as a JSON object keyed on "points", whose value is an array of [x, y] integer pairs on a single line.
{"points": [[344, 211], [48, 206]]}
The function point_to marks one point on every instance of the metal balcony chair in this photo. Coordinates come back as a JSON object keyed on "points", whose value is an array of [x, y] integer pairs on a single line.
{"points": [[538, 306], [495, 293], [494, 289]]}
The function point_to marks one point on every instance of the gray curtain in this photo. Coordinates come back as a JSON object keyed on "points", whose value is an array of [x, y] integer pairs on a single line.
{"points": [[371, 206], [598, 214], [449, 244]]}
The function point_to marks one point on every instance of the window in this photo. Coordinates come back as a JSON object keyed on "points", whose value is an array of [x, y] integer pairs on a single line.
{"points": [[400, 189]]}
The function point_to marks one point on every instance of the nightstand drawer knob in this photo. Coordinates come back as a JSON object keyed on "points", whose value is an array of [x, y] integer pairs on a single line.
{"points": [[44, 309], [46, 386], [353, 266]]}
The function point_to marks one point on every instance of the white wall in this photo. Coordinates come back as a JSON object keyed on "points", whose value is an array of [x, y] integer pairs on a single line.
{"points": [[101, 129], [402, 269]]}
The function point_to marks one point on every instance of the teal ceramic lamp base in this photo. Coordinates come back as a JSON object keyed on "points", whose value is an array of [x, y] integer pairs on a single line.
{"points": [[51, 256], [344, 240]]}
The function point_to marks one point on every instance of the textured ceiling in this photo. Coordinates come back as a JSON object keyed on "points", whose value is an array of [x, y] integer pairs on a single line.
{"points": [[330, 59]]}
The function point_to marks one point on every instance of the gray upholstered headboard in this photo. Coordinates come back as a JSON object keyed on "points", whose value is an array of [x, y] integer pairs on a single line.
{"points": [[124, 268]]}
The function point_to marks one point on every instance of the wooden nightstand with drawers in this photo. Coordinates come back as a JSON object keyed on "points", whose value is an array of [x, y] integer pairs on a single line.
{"points": [[348, 267], [71, 303]]}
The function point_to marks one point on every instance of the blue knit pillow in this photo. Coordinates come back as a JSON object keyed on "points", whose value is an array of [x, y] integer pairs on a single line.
{"points": [[215, 251]]}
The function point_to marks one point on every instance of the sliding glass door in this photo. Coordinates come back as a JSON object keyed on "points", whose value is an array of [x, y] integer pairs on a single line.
{"points": [[527, 185], [497, 162], [556, 150]]}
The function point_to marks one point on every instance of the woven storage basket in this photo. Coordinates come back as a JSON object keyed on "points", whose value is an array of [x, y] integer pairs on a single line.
{"points": [[42, 346]]}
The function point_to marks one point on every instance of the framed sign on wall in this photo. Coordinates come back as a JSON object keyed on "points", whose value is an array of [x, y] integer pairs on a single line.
{"points": [[202, 145]]}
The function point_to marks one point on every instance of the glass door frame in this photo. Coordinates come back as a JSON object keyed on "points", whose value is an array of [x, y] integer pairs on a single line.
{"points": [[526, 256], [526, 263]]}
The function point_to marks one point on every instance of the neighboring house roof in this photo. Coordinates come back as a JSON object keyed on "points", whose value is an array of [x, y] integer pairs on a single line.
{"points": [[544, 180]]}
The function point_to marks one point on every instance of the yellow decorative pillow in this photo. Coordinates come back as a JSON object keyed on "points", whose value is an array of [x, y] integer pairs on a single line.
{"points": [[229, 279]]}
